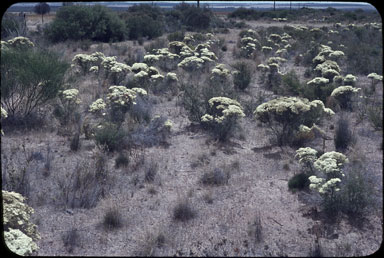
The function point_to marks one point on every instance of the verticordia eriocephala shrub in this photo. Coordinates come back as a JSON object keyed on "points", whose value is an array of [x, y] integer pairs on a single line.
{"points": [[284, 115], [20, 234], [222, 116]]}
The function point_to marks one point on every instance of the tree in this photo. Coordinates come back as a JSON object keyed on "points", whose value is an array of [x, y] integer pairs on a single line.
{"points": [[42, 8]]}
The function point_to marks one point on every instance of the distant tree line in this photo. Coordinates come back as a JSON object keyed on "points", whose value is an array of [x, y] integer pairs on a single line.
{"points": [[99, 23]]}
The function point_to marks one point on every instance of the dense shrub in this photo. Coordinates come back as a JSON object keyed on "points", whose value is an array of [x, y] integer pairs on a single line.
{"points": [[356, 191], [183, 211], [34, 75], [112, 219], [121, 160], [12, 26], [194, 18], [343, 135], [291, 83], [284, 116], [222, 117], [143, 21], [242, 77], [109, 136], [298, 182], [76, 22]]}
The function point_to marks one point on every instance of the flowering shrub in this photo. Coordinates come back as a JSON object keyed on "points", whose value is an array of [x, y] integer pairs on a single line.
{"points": [[284, 115], [20, 43], [343, 95], [306, 157], [104, 67], [375, 78], [222, 116], [69, 103], [19, 233]]}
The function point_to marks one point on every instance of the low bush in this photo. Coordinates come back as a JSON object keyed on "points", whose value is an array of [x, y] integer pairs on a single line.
{"points": [[255, 229], [298, 182], [183, 211], [110, 137], [71, 239], [343, 135], [121, 160], [243, 75], [112, 219]]}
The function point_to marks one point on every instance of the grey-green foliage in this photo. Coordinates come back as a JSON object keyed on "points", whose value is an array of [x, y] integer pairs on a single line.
{"points": [[34, 75], [76, 22]]}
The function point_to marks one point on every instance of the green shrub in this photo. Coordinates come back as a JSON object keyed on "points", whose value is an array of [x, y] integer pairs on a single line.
{"points": [[298, 182], [112, 219], [96, 23], [121, 160], [193, 17], [183, 211], [12, 26], [356, 192], [291, 82], [75, 142], [242, 78], [375, 117], [343, 135], [36, 76], [109, 137], [143, 20]]}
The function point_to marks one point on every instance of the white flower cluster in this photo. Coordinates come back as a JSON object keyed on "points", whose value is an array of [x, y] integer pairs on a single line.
{"points": [[171, 77], [317, 81], [4, 113], [219, 72], [248, 43], [266, 49], [263, 67], [97, 106], [342, 90], [20, 42], [280, 19], [223, 109], [293, 105], [20, 233], [349, 79], [191, 63], [375, 76], [306, 155], [122, 96], [71, 96], [331, 163], [97, 62], [324, 188]]}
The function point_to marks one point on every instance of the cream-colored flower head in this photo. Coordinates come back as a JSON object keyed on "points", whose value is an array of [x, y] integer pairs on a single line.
{"points": [[344, 90], [223, 109], [97, 105]]}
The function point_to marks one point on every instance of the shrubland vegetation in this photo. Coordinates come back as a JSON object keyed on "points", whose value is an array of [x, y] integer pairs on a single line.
{"points": [[309, 91]]}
